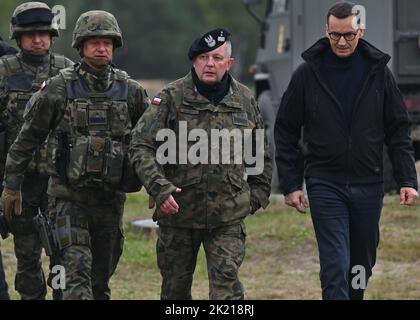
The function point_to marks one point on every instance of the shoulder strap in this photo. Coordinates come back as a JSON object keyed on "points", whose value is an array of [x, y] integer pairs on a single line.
{"points": [[69, 73], [13, 64], [121, 75], [58, 61]]}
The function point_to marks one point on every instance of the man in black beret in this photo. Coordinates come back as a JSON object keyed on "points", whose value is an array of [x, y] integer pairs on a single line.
{"points": [[205, 201]]}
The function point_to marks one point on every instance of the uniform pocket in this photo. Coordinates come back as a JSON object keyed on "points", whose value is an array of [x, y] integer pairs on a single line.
{"points": [[187, 176], [95, 156], [114, 162], [121, 118], [236, 180]]}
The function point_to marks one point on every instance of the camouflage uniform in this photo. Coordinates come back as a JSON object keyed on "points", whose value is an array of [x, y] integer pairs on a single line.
{"points": [[20, 76], [215, 198], [88, 117], [4, 295]]}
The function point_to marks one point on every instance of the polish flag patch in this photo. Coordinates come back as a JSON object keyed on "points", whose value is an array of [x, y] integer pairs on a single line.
{"points": [[43, 85], [156, 101]]}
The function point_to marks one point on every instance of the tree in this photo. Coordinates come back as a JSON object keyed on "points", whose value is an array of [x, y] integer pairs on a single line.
{"points": [[157, 33]]}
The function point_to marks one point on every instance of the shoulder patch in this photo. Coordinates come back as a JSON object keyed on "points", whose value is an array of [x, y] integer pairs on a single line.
{"points": [[30, 103], [156, 101], [44, 84]]}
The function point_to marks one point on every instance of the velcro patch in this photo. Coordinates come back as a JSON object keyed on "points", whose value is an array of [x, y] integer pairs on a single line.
{"points": [[240, 119], [29, 104], [98, 117]]}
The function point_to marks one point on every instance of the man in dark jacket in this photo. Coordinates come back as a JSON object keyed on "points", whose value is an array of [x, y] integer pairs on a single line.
{"points": [[4, 50], [346, 100]]}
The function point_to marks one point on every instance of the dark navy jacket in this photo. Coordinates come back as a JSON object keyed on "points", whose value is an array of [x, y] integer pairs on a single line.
{"points": [[331, 149]]}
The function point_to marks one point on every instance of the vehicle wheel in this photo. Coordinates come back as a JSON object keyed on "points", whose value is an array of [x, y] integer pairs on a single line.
{"points": [[269, 116]]}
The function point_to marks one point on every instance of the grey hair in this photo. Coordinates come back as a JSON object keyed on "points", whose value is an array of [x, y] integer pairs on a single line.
{"points": [[229, 48]]}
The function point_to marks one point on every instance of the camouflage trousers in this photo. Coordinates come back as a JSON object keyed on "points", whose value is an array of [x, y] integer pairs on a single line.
{"points": [[177, 250], [96, 245], [30, 279], [4, 295]]}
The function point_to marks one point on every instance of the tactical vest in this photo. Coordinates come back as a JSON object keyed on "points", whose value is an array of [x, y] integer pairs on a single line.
{"points": [[20, 86], [88, 147]]}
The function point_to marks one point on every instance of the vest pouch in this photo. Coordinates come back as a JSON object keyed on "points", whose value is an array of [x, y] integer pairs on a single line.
{"points": [[114, 160], [21, 101], [77, 161], [95, 158]]}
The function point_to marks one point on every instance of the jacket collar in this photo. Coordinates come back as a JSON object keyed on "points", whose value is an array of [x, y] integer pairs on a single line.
{"points": [[192, 96], [314, 53]]}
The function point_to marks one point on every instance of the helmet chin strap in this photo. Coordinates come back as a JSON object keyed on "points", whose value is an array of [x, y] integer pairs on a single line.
{"points": [[96, 64]]}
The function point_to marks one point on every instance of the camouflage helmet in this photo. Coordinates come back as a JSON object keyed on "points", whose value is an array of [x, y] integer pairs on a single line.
{"points": [[32, 16], [96, 23]]}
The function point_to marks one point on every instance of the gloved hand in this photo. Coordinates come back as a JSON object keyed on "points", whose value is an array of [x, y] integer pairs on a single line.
{"points": [[255, 205], [11, 202]]}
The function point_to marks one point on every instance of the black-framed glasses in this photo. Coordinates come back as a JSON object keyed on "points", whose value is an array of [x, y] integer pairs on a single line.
{"points": [[349, 36]]}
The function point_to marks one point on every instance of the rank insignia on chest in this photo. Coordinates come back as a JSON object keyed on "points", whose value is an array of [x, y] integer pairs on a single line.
{"points": [[156, 101], [240, 119]]}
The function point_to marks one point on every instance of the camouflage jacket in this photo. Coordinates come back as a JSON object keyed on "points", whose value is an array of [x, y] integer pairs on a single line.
{"points": [[53, 108], [213, 193], [20, 78]]}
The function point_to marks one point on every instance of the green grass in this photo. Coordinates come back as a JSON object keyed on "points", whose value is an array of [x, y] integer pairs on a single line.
{"points": [[281, 260]]}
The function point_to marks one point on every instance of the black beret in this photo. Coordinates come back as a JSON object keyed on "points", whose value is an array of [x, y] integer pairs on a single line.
{"points": [[208, 42]]}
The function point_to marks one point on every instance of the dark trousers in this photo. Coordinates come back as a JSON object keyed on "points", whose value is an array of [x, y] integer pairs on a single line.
{"points": [[4, 295], [30, 280], [346, 222]]}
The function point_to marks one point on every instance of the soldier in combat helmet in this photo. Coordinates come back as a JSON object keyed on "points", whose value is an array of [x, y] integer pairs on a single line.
{"points": [[87, 112], [21, 75], [4, 295]]}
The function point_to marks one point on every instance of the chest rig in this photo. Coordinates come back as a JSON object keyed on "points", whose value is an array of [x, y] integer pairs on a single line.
{"points": [[20, 83], [90, 143]]}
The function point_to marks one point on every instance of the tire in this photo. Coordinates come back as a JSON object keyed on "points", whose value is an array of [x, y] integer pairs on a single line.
{"points": [[269, 116]]}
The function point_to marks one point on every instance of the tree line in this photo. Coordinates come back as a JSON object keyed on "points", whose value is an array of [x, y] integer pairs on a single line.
{"points": [[157, 33]]}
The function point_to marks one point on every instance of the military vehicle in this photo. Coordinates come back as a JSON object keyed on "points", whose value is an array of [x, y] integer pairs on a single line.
{"points": [[288, 27]]}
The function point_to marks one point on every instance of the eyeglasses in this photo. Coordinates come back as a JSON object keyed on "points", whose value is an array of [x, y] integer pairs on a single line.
{"points": [[347, 36]]}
